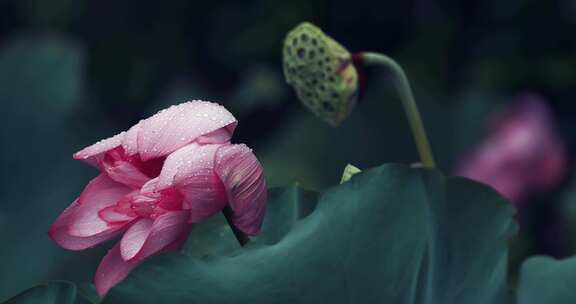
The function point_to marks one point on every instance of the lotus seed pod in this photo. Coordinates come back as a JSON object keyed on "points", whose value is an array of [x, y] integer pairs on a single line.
{"points": [[321, 72]]}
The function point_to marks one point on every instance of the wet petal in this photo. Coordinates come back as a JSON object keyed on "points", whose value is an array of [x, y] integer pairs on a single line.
{"points": [[219, 136], [124, 172], [179, 158], [166, 229], [242, 176], [134, 238], [190, 170], [59, 232], [100, 193], [113, 216], [112, 270], [93, 153], [130, 141], [179, 125], [178, 243]]}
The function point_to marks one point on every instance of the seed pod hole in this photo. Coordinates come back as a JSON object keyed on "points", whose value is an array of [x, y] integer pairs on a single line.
{"points": [[301, 53], [327, 106]]}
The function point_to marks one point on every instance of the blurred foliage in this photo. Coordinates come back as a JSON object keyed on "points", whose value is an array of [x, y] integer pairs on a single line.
{"points": [[545, 280], [73, 72]]}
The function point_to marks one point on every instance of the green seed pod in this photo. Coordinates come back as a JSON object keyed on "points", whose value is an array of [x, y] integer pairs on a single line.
{"points": [[321, 72]]}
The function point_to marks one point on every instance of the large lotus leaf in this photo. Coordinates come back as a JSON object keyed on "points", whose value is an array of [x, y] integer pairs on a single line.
{"points": [[49, 293], [290, 205], [57, 292], [545, 280], [214, 237], [390, 235]]}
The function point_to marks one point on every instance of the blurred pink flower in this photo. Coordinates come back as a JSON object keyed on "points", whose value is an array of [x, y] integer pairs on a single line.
{"points": [[522, 154], [166, 173]]}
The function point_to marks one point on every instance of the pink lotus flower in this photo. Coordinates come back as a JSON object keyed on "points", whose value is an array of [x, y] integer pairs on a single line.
{"points": [[522, 154], [166, 173]]}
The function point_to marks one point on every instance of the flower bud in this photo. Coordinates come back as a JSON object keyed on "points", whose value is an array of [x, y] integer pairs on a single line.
{"points": [[349, 171], [321, 72], [523, 153]]}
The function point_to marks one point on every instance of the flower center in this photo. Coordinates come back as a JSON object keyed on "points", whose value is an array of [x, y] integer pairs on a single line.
{"points": [[142, 205]]}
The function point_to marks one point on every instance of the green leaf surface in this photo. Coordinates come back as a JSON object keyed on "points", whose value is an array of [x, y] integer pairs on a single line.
{"points": [[87, 294], [392, 234], [214, 237], [291, 205], [49, 293], [546, 280]]}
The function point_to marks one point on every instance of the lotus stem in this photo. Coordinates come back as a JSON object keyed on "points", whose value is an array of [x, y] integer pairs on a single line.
{"points": [[408, 103]]}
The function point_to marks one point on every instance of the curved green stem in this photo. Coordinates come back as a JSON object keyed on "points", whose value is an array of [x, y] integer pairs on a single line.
{"points": [[408, 102]]}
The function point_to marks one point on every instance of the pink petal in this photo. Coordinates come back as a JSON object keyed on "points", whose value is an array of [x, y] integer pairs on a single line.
{"points": [[165, 230], [179, 125], [113, 216], [59, 232], [112, 270], [242, 176], [150, 238], [174, 161], [100, 193], [190, 170], [130, 142], [219, 136], [180, 241], [151, 186], [92, 153], [554, 166], [522, 154], [134, 238], [124, 172]]}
